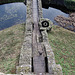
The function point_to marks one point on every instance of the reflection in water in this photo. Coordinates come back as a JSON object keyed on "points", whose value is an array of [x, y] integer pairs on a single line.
{"points": [[51, 13], [15, 13], [12, 14]]}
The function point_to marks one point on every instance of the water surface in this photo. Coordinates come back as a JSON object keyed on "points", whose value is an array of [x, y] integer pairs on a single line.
{"points": [[15, 13], [51, 13], [12, 14]]}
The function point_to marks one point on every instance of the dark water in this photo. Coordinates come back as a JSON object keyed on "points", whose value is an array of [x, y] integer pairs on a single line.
{"points": [[15, 13], [12, 14]]}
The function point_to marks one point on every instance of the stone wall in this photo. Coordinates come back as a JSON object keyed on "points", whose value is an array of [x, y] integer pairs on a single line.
{"points": [[25, 61], [26, 51], [25, 64]]}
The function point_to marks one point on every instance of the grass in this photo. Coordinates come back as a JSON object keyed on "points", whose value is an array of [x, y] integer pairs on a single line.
{"points": [[62, 42], [11, 40], [70, 0], [73, 0]]}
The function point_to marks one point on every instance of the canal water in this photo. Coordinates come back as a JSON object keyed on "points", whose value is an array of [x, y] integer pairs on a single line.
{"points": [[51, 13], [15, 13], [12, 14]]}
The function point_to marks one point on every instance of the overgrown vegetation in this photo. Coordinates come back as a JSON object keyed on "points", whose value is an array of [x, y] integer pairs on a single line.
{"points": [[62, 42], [10, 1], [70, 4], [11, 40]]}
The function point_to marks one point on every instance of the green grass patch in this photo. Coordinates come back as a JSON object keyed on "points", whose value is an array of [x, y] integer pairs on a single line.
{"points": [[62, 42], [11, 40]]}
